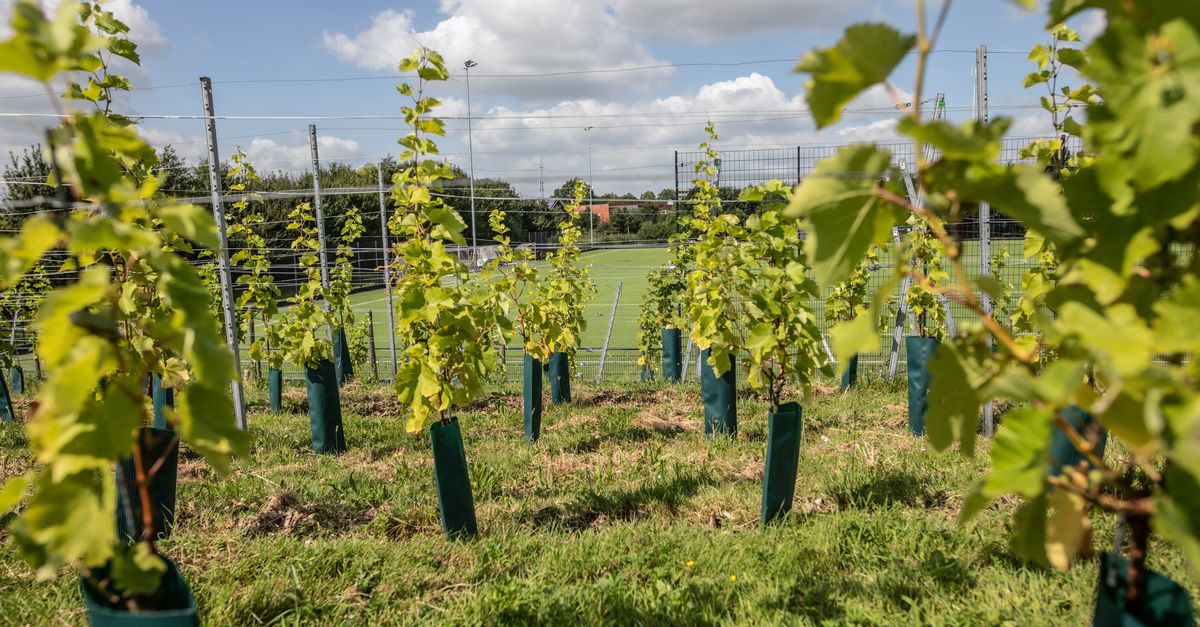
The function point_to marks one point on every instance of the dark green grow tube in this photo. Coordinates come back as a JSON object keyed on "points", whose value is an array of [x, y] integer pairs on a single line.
{"points": [[1062, 452], [783, 457], [672, 355], [324, 408], [161, 398], [720, 398], [850, 376], [1165, 602], [174, 596], [455, 503], [341, 354], [18, 380], [155, 445], [275, 389], [919, 351], [533, 398], [558, 369], [6, 408]]}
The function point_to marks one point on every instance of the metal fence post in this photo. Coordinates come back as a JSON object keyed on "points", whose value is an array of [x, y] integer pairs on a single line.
{"points": [[901, 312], [608, 334], [687, 359], [257, 362], [387, 269], [985, 220], [323, 254], [371, 340], [218, 209]]}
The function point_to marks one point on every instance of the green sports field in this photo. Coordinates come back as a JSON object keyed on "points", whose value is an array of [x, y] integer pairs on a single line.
{"points": [[626, 267]]}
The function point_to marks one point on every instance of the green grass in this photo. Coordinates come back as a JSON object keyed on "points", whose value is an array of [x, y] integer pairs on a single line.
{"points": [[597, 523]]}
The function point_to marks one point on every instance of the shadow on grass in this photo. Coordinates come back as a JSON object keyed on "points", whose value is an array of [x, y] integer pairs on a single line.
{"points": [[822, 589], [899, 488], [936, 571], [593, 507], [818, 594]]}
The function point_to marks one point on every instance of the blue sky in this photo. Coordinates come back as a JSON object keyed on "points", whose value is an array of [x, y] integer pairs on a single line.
{"points": [[639, 117]]}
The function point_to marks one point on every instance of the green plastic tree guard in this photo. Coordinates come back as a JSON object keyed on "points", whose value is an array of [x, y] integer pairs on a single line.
{"points": [[1166, 602], [783, 457], [18, 380], [275, 389], [672, 355], [155, 445], [324, 408], [558, 369], [455, 503], [176, 598], [720, 398], [920, 350], [533, 398], [161, 398], [6, 409], [850, 376], [343, 366], [1062, 452]]}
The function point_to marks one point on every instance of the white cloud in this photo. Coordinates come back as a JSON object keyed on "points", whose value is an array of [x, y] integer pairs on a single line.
{"points": [[1032, 125], [20, 95], [1092, 25], [512, 37], [707, 21], [192, 147], [632, 144], [269, 154], [142, 29]]}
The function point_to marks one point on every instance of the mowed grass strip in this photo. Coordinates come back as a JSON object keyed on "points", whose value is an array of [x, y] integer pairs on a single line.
{"points": [[621, 514]]}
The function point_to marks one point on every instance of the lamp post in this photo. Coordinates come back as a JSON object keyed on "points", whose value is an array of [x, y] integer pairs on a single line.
{"points": [[591, 190], [471, 152]]}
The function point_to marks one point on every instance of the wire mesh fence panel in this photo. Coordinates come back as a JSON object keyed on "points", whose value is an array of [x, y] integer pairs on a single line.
{"points": [[736, 170]]}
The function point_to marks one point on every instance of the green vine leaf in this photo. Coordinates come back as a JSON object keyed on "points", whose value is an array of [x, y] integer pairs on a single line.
{"points": [[41, 48], [865, 56], [191, 221], [953, 399], [1029, 536], [842, 211], [1020, 460], [217, 441], [134, 307], [1026, 193], [1068, 529], [138, 568], [67, 521], [859, 335]]}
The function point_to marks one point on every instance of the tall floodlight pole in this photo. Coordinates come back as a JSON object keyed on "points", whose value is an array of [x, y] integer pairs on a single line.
{"points": [[591, 190], [471, 152], [985, 218], [223, 265], [387, 269], [320, 216]]}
